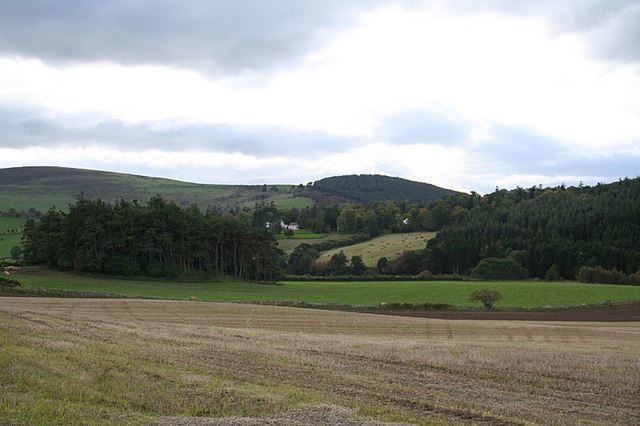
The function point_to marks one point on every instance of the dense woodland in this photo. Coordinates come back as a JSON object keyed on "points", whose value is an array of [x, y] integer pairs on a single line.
{"points": [[370, 188], [560, 228], [156, 239], [549, 232]]}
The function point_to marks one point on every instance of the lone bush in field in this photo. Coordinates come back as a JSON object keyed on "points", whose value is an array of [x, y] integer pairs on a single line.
{"points": [[487, 297]]}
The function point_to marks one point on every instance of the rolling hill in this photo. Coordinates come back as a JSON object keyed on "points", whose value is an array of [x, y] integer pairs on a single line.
{"points": [[369, 188], [23, 188]]}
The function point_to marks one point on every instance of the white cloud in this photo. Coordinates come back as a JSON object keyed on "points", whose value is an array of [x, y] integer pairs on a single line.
{"points": [[437, 77]]}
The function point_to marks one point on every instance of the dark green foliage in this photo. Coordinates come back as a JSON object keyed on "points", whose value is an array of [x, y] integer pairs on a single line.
{"points": [[301, 259], [338, 264], [599, 275], [492, 268], [6, 282], [370, 224], [486, 296], [409, 263], [382, 263], [552, 273], [569, 228], [157, 239], [288, 233], [357, 265], [370, 188], [348, 221], [16, 251]]}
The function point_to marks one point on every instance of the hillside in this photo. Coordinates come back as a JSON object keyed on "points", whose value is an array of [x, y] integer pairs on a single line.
{"points": [[369, 188], [23, 188], [40, 188], [390, 246]]}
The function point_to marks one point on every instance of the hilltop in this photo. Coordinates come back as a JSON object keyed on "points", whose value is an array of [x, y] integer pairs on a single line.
{"points": [[39, 188], [370, 188]]}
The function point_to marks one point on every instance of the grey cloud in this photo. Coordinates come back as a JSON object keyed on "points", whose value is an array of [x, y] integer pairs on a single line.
{"points": [[221, 36], [22, 128], [421, 126], [611, 26], [619, 37], [606, 168], [517, 150]]}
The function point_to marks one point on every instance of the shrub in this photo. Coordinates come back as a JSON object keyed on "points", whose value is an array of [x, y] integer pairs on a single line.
{"points": [[382, 263], [486, 296], [16, 252], [552, 273], [600, 275], [585, 275], [426, 274], [6, 282], [492, 268]]}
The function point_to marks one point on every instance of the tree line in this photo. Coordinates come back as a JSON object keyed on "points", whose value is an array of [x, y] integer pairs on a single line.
{"points": [[156, 239], [546, 230]]}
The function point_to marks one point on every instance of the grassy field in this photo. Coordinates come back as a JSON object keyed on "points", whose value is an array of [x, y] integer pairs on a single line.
{"points": [[90, 361], [390, 246], [42, 188], [302, 234], [516, 294], [10, 235]]}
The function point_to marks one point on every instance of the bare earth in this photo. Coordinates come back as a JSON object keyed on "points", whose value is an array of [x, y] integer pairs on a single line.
{"points": [[353, 368], [623, 313]]}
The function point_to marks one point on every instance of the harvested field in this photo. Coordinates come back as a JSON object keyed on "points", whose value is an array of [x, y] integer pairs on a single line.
{"points": [[622, 313], [172, 362]]}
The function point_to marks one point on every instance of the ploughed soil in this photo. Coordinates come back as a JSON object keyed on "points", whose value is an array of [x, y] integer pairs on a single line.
{"points": [[622, 313]]}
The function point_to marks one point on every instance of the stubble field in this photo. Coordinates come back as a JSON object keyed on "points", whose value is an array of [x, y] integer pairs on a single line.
{"points": [[179, 362]]}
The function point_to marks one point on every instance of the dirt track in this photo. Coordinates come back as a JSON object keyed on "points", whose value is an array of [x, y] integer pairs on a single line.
{"points": [[623, 313]]}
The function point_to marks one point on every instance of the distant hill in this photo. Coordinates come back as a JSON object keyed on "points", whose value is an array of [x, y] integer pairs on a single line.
{"points": [[369, 188], [39, 188], [22, 188]]}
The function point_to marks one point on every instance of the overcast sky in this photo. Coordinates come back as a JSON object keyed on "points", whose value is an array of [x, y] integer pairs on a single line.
{"points": [[464, 94]]}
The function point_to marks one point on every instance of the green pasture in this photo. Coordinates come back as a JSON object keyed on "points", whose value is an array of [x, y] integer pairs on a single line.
{"points": [[11, 225], [10, 234], [525, 294], [291, 202], [281, 200], [390, 246], [61, 190], [302, 234]]}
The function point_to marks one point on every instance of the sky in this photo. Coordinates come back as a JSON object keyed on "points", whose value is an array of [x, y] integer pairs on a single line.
{"points": [[465, 94]]}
